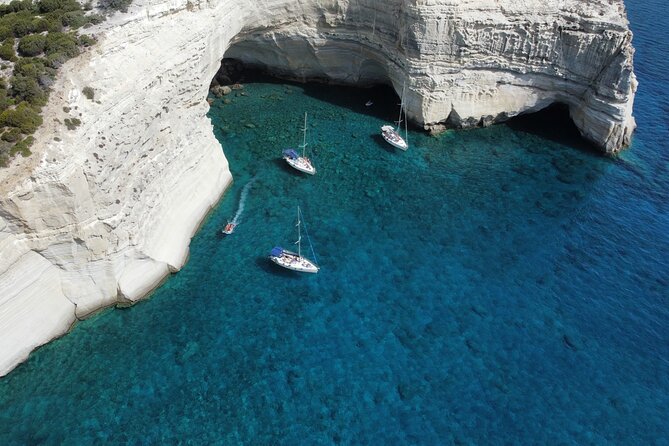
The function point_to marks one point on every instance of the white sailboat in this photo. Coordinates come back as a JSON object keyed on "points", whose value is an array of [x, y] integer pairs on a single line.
{"points": [[300, 161], [392, 134], [294, 260]]}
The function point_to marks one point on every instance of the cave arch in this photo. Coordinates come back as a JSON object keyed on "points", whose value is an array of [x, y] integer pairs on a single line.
{"points": [[294, 57], [460, 70], [439, 92]]}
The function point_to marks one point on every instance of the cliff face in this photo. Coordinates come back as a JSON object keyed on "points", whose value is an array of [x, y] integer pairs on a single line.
{"points": [[101, 214], [105, 212], [466, 62]]}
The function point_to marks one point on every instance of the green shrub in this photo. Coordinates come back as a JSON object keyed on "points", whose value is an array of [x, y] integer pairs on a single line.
{"points": [[15, 6], [96, 19], [23, 147], [89, 93], [27, 89], [74, 19], [5, 100], [21, 5], [85, 40], [21, 23], [72, 123], [23, 117], [12, 134], [40, 25], [115, 5], [22, 28], [5, 31], [32, 45], [44, 6], [63, 43], [55, 60], [53, 22], [29, 66], [7, 50]]}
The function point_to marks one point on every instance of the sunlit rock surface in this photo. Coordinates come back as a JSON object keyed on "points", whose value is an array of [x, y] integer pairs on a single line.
{"points": [[101, 214]]}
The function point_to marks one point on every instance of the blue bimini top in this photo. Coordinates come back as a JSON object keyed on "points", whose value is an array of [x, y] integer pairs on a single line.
{"points": [[290, 153], [276, 251]]}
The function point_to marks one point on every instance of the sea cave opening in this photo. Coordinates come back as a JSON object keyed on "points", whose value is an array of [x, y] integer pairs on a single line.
{"points": [[373, 95], [553, 123], [255, 59]]}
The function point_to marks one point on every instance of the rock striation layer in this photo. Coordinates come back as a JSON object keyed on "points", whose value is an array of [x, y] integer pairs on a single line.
{"points": [[465, 62], [101, 214]]}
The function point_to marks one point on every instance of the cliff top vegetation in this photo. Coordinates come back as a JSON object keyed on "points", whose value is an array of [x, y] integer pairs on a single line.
{"points": [[37, 37]]}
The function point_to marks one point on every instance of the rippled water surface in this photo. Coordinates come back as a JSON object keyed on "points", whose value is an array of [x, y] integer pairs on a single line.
{"points": [[502, 285]]}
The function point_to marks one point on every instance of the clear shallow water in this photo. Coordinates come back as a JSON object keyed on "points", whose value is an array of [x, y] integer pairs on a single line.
{"points": [[503, 285]]}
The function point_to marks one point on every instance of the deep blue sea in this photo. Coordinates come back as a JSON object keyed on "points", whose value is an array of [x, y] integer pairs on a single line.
{"points": [[504, 285]]}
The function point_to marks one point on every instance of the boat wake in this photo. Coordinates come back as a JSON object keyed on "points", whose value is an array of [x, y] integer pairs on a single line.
{"points": [[242, 201]]}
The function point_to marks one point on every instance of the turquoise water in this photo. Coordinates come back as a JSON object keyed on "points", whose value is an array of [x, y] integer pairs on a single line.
{"points": [[501, 285]]}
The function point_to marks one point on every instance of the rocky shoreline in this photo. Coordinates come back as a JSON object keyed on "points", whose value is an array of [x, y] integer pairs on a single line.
{"points": [[102, 213]]}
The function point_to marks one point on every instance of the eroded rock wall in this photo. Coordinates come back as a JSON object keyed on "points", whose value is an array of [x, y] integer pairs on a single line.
{"points": [[101, 214], [469, 62], [108, 210]]}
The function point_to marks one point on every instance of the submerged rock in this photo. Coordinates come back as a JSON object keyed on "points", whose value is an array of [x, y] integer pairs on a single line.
{"points": [[221, 90]]}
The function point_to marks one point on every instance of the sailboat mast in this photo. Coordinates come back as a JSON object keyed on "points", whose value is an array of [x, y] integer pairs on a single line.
{"points": [[304, 134], [406, 122], [399, 118], [299, 234]]}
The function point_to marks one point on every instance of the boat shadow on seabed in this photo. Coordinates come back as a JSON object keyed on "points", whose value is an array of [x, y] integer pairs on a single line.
{"points": [[264, 263], [378, 139]]}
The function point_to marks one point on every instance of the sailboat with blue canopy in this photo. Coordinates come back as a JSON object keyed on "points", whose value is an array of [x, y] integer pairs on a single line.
{"points": [[294, 260], [300, 161]]}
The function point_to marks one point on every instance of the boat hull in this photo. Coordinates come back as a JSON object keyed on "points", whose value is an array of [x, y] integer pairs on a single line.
{"points": [[393, 138], [229, 228], [294, 262], [302, 164]]}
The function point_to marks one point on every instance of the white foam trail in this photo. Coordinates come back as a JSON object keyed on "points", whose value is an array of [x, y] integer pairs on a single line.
{"points": [[242, 200]]}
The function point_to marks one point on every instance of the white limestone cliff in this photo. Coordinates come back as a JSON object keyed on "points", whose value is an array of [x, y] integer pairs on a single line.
{"points": [[465, 62], [101, 214]]}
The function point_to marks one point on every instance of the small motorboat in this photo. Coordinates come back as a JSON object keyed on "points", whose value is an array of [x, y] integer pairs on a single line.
{"points": [[369, 103], [229, 228]]}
